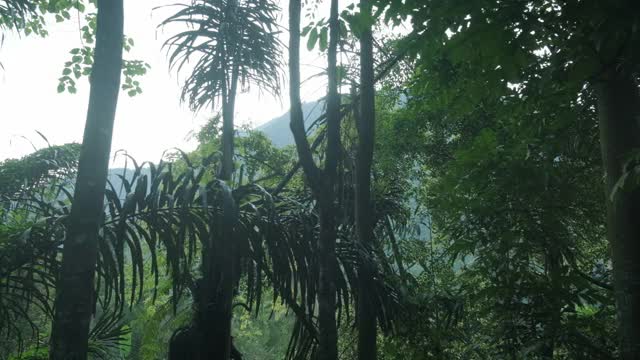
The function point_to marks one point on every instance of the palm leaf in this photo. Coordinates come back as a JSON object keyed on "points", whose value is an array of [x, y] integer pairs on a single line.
{"points": [[175, 213], [225, 39]]}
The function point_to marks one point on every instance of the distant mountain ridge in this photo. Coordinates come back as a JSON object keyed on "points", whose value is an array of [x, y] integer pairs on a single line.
{"points": [[277, 129]]}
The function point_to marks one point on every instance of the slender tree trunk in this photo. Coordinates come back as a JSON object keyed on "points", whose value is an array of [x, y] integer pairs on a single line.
{"points": [[328, 333], [311, 171], [322, 182], [619, 113], [75, 296], [228, 109], [367, 325], [227, 144], [217, 310], [554, 306], [327, 245]]}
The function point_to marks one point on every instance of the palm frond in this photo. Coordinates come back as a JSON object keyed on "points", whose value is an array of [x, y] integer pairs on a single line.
{"points": [[13, 13], [225, 39], [174, 212]]}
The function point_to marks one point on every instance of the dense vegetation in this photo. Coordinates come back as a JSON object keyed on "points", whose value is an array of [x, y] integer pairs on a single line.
{"points": [[447, 203]]}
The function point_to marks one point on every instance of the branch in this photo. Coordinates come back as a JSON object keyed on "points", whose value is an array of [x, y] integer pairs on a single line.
{"points": [[384, 71], [297, 117]]}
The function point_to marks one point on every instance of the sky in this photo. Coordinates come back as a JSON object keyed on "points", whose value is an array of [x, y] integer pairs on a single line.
{"points": [[146, 124]]}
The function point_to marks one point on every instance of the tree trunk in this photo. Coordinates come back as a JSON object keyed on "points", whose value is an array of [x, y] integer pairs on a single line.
{"points": [[327, 245], [297, 117], [227, 144], [554, 306], [366, 314], [328, 332], [75, 296], [228, 109], [619, 114], [217, 310], [323, 182]]}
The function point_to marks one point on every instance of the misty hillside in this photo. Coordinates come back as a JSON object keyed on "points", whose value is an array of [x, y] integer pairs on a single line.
{"points": [[277, 129]]}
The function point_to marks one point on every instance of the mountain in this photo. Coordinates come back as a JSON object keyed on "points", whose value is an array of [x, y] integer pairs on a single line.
{"points": [[277, 129]]}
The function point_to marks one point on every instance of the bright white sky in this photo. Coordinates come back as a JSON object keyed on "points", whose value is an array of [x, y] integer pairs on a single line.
{"points": [[146, 124]]}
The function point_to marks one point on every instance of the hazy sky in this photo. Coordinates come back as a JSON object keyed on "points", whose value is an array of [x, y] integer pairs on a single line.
{"points": [[146, 124]]}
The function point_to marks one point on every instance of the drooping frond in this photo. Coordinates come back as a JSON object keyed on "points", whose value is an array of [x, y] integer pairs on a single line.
{"points": [[174, 212], [38, 170]]}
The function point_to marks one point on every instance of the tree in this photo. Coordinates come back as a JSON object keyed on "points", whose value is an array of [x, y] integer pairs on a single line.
{"points": [[35, 171], [588, 44], [615, 79], [322, 182], [365, 224], [25, 305], [236, 45], [75, 296], [619, 109]]}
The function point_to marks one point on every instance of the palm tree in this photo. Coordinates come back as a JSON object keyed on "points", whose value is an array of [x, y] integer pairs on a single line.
{"points": [[235, 44], [163, 206], [75, 297], [164, 210]]}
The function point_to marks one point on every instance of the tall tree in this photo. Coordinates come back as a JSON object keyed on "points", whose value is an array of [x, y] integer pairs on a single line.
{"points": [[367, 324], [594, 45], [321, 181], [235, 44], [619, 111], [75, 296]]}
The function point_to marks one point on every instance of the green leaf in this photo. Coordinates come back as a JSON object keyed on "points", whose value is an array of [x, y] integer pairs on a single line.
{"points": [[313, 38], [306, 30], [324, 35]]}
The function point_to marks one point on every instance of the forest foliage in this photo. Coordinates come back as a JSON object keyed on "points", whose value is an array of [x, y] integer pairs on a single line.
{"points": [[469, 190]]}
